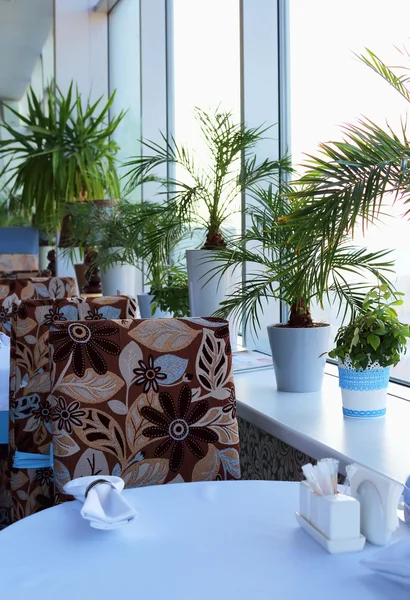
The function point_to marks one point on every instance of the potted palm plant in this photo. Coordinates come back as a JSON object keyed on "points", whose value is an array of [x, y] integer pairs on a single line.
{"points": [[65, 153], [298, 276], [205, 192], [366, 348], [347, 183]]}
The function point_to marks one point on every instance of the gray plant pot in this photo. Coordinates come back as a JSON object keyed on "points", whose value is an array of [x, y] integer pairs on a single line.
{"points": [[144, 304], [296, 356]]}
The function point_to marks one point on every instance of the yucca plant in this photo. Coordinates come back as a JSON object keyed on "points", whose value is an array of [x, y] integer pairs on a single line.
{"points": [[296, 275], [63, 153], [348, 183], [204, 194]]}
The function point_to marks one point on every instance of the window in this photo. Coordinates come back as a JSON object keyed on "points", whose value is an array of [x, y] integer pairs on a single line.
{"points": [[125, 76], [206, 69], [330, 86]]}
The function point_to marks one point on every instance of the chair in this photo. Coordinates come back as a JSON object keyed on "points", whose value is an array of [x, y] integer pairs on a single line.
{"points": [[14, 290], [152, 401], [18, 249], [30, 407]]}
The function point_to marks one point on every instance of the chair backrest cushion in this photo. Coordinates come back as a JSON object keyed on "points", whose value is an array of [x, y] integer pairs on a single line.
{"points": [[13, 290], [152, 401], [18, 249], [30, 415]]}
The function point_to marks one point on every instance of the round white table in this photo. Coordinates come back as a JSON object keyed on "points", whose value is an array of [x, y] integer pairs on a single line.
{"points": [[195, 541]]}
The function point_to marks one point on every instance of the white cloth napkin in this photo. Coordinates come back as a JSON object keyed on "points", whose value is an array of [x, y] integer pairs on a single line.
{"points": [[104, 507], [393, 562]]}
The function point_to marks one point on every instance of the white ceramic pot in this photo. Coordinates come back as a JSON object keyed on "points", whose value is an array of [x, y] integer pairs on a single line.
{"points": [[299, 356], [364, 393], [144, 305], [121, 278], [43, 261], [64, 266], [205, 296]]}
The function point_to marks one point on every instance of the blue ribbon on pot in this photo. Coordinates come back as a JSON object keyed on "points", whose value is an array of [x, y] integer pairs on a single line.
{"points": [[368, 379]]}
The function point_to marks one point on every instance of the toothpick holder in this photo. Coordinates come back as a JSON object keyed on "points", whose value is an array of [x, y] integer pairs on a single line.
{"points": [[334, 521]]}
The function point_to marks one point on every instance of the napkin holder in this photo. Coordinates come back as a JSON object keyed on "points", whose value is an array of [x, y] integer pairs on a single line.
{"points": [[332, 520], [379, 497]]}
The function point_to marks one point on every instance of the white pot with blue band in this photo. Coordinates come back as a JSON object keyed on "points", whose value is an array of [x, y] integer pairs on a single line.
{"points": [[364, 392]]}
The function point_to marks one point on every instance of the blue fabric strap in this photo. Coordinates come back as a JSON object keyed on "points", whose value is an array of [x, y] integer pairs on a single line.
{"points": [[29, 460]]}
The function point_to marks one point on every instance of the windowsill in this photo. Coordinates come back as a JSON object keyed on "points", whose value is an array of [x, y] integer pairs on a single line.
{"points": [[314, 424]]}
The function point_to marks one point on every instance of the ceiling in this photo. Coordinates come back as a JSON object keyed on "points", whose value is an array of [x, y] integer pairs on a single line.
{"points": [[24, 28]]}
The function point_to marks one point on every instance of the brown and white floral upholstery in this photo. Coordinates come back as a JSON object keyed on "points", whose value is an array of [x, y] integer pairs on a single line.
{"points": [[152, 401], [14, 290], [30, 409]]}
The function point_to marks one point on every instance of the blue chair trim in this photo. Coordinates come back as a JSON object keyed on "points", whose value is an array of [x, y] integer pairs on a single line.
{"points": [[364, 414], [29, 460]]}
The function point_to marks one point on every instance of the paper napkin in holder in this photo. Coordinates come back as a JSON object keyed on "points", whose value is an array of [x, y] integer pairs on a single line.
{"points": [[104, 506]]}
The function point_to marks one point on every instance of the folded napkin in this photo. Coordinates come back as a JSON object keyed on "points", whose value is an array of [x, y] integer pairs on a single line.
{"points": [[392, 562], [104, 506]]}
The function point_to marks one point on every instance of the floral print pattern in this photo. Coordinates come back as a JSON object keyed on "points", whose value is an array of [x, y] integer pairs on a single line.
{"points": [[13, 290], [80, 341], [32, 407], [163, 410], [53, 315], [230, 406], [68, 416], [43, 412], [177, 425], [149, 375], [94, 314]]}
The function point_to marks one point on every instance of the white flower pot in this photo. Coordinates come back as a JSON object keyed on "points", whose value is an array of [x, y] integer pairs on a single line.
{"points": [[364, 392], [43, 261], [119, 278], [205, 296], [64, 266], [299, 356], [144, 305]]}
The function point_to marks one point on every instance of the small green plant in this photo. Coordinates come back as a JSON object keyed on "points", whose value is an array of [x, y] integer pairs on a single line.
{"points": [[375, 334], [171, 291]]}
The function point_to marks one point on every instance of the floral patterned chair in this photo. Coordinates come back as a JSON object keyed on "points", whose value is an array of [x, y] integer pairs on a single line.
{"points": [[12, 290], [30, 409], [152, 401]]}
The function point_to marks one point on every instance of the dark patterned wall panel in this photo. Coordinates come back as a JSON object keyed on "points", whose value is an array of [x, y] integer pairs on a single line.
{"points": [[266, 457]]}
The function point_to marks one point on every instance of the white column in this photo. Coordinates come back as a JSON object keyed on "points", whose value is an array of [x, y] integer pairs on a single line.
{"points": [[260, 105], [81, 47]]}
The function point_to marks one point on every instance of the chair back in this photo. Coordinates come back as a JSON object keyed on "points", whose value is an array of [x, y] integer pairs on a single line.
{"points": [[149, 400], [18, 249], [14, 290], [30, 415]]}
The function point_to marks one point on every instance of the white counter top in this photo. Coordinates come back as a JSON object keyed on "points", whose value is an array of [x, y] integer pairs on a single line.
{"points": [[313, 423]]}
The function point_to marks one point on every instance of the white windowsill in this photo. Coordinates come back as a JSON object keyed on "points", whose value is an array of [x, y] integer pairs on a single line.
{"points": [[313, 423]]}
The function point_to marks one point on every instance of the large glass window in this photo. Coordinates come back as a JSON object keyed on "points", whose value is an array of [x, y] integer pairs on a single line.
{"points": [[125, 75], [206, 70], [330, 86]]}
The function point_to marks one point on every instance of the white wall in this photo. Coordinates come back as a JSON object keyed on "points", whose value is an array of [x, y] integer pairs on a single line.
{"points": [[81, 48]]}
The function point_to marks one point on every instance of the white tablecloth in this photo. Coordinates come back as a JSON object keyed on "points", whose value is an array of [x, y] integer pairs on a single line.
{"points": [[200, 541]]}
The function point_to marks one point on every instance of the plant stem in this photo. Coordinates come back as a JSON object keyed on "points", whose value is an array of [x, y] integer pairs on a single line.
{"points": [[300, 315]]}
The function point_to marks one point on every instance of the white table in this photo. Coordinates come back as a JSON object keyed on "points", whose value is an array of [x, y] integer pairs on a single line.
{"points": [[219, 540]]}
